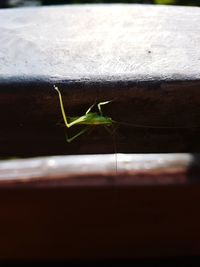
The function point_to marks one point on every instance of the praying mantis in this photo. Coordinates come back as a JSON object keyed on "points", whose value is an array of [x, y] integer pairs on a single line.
{"points": [[88, 119]]}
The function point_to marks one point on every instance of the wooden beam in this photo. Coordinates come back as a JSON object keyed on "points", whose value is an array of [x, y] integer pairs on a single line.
{"points": [[144, 58]]}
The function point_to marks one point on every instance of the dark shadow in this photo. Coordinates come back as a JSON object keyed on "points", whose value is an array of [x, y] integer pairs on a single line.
{"points": [[177, 261], [193, 172]]}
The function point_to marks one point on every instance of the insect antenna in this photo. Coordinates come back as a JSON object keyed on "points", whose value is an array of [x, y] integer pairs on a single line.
{"points": [[115, 150], [113, 134], [157, 127]]}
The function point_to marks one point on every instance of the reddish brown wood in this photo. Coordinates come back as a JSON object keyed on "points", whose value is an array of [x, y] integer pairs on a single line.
{"points": [[64, 209], [99, 223], [57, 209]]}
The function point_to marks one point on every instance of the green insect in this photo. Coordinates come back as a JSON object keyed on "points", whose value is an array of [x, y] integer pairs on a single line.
{"points": [[89, 118]]}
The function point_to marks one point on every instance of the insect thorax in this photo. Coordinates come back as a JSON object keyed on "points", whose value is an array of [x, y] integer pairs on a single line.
{"points": [[93, 119]]}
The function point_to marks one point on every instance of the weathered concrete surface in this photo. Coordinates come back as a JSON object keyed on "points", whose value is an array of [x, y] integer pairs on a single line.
{"points": [[144, 58], [104, 42]]}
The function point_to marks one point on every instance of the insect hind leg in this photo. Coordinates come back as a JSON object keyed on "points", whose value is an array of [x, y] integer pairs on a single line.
{"points": [[70, 139], [111, 131]]}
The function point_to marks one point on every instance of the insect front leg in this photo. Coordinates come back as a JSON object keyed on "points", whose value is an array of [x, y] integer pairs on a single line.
{"points": [[101, 104], [90, 108]]}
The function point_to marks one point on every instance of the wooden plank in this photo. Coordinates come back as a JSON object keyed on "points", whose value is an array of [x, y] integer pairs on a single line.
{"points": [[101, 170], [77, 208], [144, 58], [77, 223]]}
